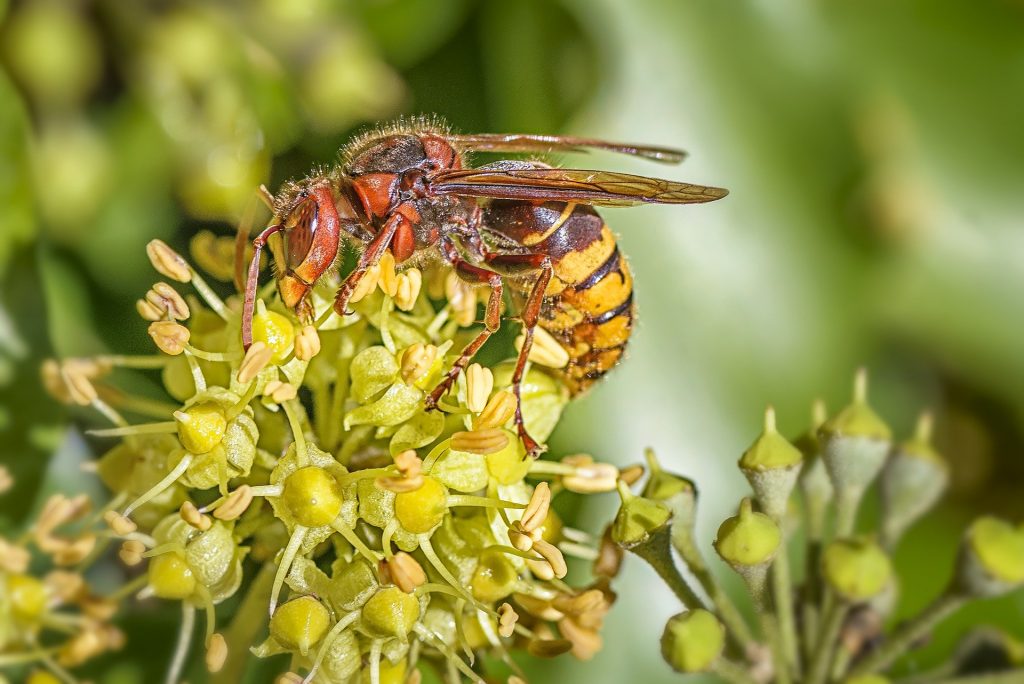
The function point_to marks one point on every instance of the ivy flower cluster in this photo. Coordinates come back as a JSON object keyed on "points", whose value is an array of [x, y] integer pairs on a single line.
{"points": [[367, 536], [831, 626]]}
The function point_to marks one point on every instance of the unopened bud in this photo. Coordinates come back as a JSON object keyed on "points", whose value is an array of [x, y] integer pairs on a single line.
{"points": [[638, 518], [167, 262], [913, 480], [749, 538], [692, 641], [856, 569], [991, 558], [772, 466]]}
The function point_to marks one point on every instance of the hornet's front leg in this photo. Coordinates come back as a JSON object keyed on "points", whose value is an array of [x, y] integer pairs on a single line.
{"points": [[367, 260]]}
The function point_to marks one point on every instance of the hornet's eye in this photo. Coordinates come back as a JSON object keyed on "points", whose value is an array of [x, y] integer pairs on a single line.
{"points": [[299, 228]]}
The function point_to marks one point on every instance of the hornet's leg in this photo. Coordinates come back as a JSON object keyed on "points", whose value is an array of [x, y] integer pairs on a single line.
{"points": [[370, 256], [529, 316], [252, 281], [492, 319]]}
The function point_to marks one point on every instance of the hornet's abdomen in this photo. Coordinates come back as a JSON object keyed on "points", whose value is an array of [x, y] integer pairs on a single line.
{"points": [[588, 305]]}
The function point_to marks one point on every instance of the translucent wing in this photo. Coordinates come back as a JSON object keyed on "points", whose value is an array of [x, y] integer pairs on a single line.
{"points": [[537, 144], [603, 188]]}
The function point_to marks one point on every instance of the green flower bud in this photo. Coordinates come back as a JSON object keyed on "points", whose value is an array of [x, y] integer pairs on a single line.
{"points": [[692, 641], [422, 510], [857, 569], [913, 480], [638, 518], [390, 613], [855, 444], [814, 480], [771, 465], [749, 538], [300, 624], [991, 557], [312, 496]]}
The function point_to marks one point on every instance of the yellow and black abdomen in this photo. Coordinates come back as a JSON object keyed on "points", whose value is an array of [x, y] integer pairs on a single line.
{"points": [[588, 305]]}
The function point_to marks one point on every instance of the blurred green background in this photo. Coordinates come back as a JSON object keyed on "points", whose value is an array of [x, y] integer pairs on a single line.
{"points": [[873, 150]]}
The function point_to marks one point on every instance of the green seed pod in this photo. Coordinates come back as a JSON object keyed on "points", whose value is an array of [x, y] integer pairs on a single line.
{"points": [[171, 577], [913, 480], [422, 510], [856, 569], [692, 641], [390, 613], [855, 443], [312, 496], [772, 466], [201, 427], [815, 484], [300, 624], [679, 495], [342, 659], [638, 518], [749, 538], [275, 331], [991, 558]]}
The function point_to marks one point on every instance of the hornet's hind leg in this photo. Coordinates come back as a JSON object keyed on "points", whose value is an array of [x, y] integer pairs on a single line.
{"points": [[529, 316]]}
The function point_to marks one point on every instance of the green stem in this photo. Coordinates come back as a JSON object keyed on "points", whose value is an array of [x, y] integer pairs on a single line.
{"points": [[247, 623], [834, 613], [847, 505], [772, 632], [910, 633], [1015, 676], [783, 600], [657, 551], [732, 672]]}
